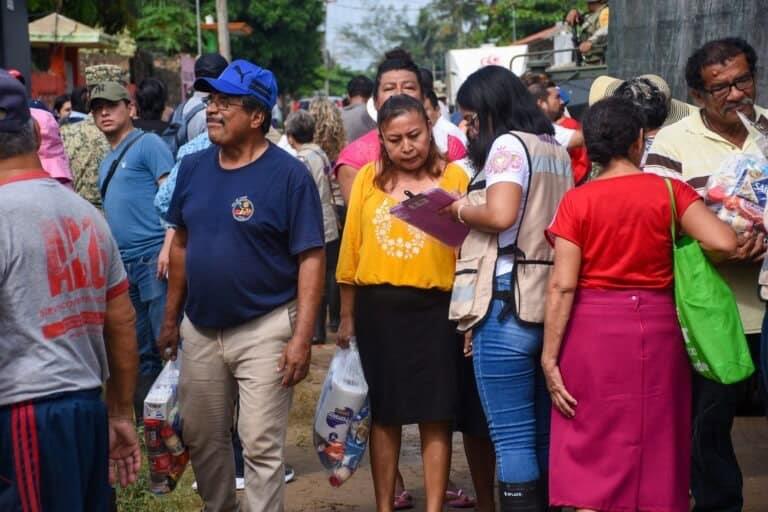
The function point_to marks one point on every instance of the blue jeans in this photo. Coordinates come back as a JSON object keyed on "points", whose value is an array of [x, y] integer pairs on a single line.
{"points": [[147, 293], [513, 392]]}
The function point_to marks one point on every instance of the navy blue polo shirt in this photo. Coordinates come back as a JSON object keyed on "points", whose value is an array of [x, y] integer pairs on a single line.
{"points": [[245, 230]]}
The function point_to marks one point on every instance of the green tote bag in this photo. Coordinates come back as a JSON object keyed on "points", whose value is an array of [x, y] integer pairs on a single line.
{"points": [[707, 311]]}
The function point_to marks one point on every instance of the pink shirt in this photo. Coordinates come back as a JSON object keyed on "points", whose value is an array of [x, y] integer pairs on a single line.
{"points": [[367, 148]]}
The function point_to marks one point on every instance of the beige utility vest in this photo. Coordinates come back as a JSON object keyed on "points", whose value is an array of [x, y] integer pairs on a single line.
{"points": [[549, 178]]}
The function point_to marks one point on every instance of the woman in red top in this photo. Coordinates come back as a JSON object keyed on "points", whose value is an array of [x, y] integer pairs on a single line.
{"points": [[614, 356]]}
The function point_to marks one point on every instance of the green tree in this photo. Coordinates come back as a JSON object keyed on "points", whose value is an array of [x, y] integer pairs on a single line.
{"points": [[338, 77], [167, 26], [111, 15], [285, 38], [437, 28], [507, 18]]}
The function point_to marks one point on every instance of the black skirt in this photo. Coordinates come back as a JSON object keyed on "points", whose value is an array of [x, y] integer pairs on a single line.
{"points": [[408, 348]]}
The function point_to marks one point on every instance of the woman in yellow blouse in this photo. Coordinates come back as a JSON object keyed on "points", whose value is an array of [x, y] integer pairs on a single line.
{"points": [[395, 291]]}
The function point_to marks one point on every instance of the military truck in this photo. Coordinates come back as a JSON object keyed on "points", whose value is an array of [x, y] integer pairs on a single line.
{"points": [[657, 36]]}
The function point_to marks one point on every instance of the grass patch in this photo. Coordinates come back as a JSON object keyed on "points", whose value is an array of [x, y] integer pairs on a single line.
{"points": [[137, 497]]}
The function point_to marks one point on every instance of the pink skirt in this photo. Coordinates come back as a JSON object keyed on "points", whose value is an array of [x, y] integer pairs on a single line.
{"points": [[629, 446]]}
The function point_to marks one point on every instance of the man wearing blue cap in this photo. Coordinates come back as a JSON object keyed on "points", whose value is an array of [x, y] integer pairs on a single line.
{"points": [[247, 264], [67, 327]]}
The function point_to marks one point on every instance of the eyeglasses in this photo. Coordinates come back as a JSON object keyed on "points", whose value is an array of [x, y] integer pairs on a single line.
{"points": [[722, 91], [221, 102]]}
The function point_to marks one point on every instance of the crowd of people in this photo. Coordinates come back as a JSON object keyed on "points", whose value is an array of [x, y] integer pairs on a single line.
{"points": [[549, 339]]}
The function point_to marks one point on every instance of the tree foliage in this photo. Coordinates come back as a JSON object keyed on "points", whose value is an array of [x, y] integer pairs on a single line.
{"points": [[285, 37], [507, 18], [111, 15], [443, 25], [167, 26]]}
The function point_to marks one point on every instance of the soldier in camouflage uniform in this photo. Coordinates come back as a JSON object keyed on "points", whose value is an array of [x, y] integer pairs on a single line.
{"points": [[84, 143], [591, 31]]}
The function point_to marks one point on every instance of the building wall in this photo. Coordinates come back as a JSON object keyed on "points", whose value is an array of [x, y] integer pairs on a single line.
{"points": [[657, 36]]}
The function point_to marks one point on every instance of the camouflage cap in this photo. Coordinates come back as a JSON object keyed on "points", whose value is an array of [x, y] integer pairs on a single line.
{"points": [[105, 73]]}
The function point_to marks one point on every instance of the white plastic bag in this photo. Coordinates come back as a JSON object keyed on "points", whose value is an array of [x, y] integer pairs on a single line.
{"points": [[166, 453], [342, 418]]}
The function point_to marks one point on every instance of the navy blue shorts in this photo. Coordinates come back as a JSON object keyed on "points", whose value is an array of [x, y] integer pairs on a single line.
{"points": [[54, 454]]}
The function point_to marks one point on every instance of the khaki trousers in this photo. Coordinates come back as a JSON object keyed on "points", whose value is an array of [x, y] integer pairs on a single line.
{"points": [[216, 367]]}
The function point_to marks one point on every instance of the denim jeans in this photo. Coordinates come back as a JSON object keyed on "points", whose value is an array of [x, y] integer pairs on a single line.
{"points": [[513, 392], [147, 294]]}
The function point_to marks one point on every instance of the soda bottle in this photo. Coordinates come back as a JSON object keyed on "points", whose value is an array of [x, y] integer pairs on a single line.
{"points": [[152, 436], [171, 440]]}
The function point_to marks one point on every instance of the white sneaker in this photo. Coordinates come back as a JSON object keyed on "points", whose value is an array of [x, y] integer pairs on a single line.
{"points": [[290, 474]]}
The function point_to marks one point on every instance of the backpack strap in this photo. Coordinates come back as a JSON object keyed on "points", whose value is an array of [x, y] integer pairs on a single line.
{"points": [[115, 163]]}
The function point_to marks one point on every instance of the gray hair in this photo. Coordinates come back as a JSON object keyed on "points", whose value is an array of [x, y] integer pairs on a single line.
{"points": [[301, 126], [22, 142]]}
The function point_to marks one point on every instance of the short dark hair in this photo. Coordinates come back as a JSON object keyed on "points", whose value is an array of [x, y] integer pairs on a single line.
{"points": [[301, 126], [396, 60], [427, 79], [361, 86], [646, 96], [251, 104], [151, 95], [502, 104], [59, 102], [19, 143], [432, 98], [610, 128], [80, 99], [540, 90], [533, 77], [717, 52]]}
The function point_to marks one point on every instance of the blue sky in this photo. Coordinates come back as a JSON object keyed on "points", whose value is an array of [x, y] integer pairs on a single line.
{"points": [[343, 13]]}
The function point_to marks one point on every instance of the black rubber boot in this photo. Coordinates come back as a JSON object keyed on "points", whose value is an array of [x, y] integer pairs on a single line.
{"points": [[522, 497]]}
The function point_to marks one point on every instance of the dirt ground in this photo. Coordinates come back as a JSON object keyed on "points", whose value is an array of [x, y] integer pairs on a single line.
{"points": [[310, 492]]}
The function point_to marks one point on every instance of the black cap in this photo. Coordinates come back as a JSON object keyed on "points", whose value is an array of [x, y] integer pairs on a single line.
{"points": [[14, 104], [210, 65]]}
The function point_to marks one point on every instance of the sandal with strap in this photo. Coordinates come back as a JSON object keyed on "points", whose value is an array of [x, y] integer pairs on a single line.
{"points": [[459, 499], [403, 501]]}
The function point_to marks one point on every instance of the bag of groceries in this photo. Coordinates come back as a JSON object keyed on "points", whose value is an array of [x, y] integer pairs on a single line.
{"points": [[166, 453], [342, 419], [737, 192]]}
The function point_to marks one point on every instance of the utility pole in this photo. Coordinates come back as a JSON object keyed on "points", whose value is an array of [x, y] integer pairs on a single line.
{"points": [[199, 31], [222, 21], [326, 56]]}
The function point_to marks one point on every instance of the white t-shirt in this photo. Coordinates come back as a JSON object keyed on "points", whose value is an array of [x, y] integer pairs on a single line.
{"points": [[507, 163], [563, 135], [443, 129]]}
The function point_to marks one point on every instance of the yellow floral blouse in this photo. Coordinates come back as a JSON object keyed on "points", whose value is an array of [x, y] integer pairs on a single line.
{"points": [[378, 248]]}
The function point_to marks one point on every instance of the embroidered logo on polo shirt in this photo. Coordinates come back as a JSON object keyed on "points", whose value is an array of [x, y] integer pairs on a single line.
{"points": [[242, 209]]}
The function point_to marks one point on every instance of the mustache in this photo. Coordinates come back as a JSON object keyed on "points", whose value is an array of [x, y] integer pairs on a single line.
{"points": [[214, 120], [734, 105]]}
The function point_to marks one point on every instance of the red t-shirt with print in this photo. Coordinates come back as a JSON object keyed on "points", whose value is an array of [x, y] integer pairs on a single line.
{"points": [[622, 226]]}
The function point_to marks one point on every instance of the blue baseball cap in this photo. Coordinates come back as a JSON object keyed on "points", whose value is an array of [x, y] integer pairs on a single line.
{"points": [[243, 78], [14, 104]]}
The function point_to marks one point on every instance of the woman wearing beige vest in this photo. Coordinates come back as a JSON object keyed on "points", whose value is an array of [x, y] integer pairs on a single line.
{"points": [[521, 175]]}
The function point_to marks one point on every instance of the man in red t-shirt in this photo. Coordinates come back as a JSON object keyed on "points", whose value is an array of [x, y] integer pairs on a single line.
{"points": [[567, 130]]}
